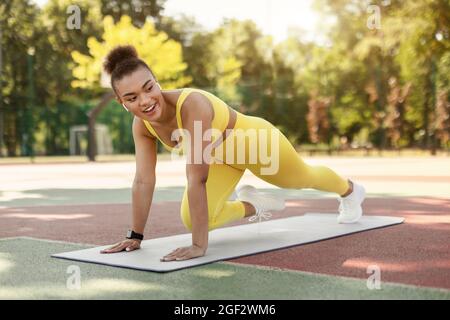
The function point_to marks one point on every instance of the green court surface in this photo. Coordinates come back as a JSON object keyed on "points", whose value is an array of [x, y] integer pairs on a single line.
{"points": [[28, 272]]}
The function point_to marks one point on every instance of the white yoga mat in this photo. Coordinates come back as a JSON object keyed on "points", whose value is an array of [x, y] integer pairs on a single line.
{"points": [[232, 242]]}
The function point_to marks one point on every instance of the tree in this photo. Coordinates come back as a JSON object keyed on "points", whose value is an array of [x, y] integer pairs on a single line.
{"points": [[421, 41], [138, 10], [442, 121], [162, 54], [318, 123], [61, 105], [19, 33], [396, 110]]}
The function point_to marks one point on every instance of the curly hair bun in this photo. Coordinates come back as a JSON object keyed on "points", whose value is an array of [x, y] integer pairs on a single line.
{"points": [[118, 55]]}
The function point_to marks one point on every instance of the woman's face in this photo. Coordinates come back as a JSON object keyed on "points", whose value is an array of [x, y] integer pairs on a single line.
{"points": [[140, 94]]}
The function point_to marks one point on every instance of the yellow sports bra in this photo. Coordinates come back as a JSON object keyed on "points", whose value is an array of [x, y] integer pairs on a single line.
{"points": [[219, 122]]}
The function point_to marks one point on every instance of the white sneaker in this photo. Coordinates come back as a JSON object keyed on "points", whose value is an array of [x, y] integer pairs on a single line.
{"points": [[263, 203], [350, 210]]}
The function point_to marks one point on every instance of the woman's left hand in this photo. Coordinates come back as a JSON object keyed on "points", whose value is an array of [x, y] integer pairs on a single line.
{"points": [[185, 253]]}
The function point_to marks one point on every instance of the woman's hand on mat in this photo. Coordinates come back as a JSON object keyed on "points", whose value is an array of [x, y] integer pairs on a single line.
{"points": [[185, 253], [125, 245]]}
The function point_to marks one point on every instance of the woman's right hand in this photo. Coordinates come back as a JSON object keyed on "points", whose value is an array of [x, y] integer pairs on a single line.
{"points": [[125, 245]]}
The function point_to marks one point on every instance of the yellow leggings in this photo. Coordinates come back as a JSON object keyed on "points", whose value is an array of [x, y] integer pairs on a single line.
{"points": [[292, 172]]}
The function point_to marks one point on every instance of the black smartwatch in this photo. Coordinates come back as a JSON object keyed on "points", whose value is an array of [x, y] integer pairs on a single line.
{"points": [[134, 235]]}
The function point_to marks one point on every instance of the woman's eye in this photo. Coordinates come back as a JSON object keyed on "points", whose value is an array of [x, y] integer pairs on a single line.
{"points": [[131, 100], [150, 88]]}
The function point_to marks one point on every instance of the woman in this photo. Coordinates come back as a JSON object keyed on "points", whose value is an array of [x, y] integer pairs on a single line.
{"points": [[230, 142]]}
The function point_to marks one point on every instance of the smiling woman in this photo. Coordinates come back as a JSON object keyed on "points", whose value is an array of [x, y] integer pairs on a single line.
{"points": [[246, 142], [120, 63]]}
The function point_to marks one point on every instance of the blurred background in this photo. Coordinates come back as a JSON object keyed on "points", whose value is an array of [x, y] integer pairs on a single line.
{"points": [[334, 75]]}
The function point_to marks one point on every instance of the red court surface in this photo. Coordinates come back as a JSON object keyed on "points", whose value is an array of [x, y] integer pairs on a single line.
{"points": [[415, 252]]}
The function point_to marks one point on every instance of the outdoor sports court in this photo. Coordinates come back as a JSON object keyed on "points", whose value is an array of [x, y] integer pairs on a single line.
{"points": [[58, 207]]}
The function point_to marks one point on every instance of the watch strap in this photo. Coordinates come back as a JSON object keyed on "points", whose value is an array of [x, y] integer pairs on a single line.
{"points": [[134, 235]]}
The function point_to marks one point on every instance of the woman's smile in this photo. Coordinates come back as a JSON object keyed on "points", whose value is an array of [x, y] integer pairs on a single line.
{"points": [[150, 108]]}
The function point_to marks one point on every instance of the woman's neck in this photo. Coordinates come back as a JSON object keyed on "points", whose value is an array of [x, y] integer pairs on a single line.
{"points": [[169, 118]]}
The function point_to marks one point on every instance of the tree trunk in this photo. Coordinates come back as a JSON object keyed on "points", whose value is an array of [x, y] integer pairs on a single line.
{"points": [[92, 115], [2, 129]]}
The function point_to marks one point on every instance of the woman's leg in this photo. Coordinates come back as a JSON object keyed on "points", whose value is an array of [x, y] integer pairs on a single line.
{"points": [[222, 180], [291, 172], [288, 169]]}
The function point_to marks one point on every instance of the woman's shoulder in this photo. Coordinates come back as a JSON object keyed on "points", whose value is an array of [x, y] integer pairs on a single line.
{"points": [[176, 95], [192, 101], [141, 127], [188, 96]]}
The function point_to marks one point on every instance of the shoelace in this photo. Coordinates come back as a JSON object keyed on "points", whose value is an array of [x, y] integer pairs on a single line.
{"points": [[259, 215]]}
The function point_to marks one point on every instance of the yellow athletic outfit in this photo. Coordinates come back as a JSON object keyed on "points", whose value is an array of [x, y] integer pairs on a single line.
{"points": [[224, 174]]}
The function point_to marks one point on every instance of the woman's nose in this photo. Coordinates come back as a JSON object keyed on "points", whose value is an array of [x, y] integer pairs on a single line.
{"points": [[145, 100]]}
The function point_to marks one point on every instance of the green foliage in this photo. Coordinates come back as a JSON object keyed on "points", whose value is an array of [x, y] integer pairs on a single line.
{"points": [[44, 94], [162, 54]]}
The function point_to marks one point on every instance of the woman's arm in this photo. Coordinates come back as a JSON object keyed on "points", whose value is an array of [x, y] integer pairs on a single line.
{"points": [[197, 114], [142, 194], [143, 185], [198, 208], [145, 177]]}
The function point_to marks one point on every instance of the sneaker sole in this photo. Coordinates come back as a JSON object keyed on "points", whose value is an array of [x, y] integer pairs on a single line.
{"points": [[360, 214]]}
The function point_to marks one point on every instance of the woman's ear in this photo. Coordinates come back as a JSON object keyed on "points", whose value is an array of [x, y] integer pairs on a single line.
{"points": [[123, 105]]}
